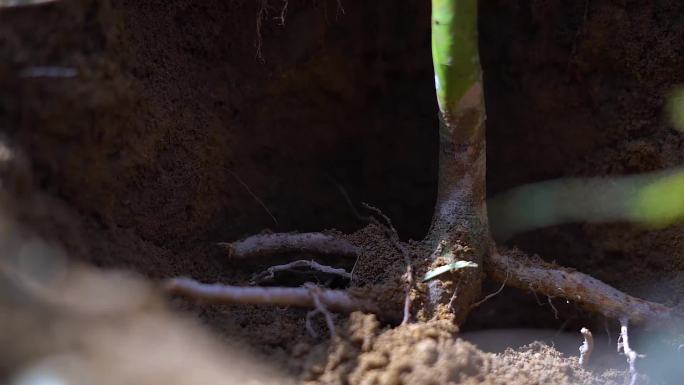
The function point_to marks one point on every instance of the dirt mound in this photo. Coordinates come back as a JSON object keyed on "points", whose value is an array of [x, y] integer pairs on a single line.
{"points": [[429, 354]]}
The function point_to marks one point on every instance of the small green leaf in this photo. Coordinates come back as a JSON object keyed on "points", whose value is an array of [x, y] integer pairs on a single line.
{"points": [[446, 268]]}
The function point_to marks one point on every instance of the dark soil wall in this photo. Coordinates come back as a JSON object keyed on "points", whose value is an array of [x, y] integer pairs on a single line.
{"points": [[578, 89], [173, 125], [173, 114]]}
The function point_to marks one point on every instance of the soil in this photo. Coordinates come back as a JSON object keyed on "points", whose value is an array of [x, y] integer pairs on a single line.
{"points": [[190, 123], [426, 353]]}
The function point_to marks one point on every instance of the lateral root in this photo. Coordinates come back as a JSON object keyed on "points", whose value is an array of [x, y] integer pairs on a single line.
{"points": [[590, 293], [269, 244]]}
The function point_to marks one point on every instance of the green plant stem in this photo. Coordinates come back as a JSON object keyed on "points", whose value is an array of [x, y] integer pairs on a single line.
{"points": [[460, 217]]}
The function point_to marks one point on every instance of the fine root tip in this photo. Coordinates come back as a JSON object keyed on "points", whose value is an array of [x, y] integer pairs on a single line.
{"points": [[587, 347]]}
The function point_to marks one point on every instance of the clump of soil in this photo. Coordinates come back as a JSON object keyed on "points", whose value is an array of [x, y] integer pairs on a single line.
{"points": [[430, 354]]}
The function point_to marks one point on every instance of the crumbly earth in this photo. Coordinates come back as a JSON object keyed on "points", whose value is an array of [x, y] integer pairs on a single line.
{"points": [[65, 321], [430, 354], [174, 136]]}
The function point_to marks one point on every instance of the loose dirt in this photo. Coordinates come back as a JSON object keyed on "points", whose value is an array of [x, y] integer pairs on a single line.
{"points": [[173, 136]]}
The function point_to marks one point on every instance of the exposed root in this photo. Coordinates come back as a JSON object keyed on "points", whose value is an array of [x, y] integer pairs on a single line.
{"points": [[269, 274], [489, 296], [587, 347], [252, 194], [623, 344], [553, 307], [270, 244], [27, 3], [588, 292], [49, 72], [348, 201], [319, 308], [407, 296], [453, 300], [377, 211], [261, 12], [334, 300], [283, 13], [393, 236], [356, 262]]}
